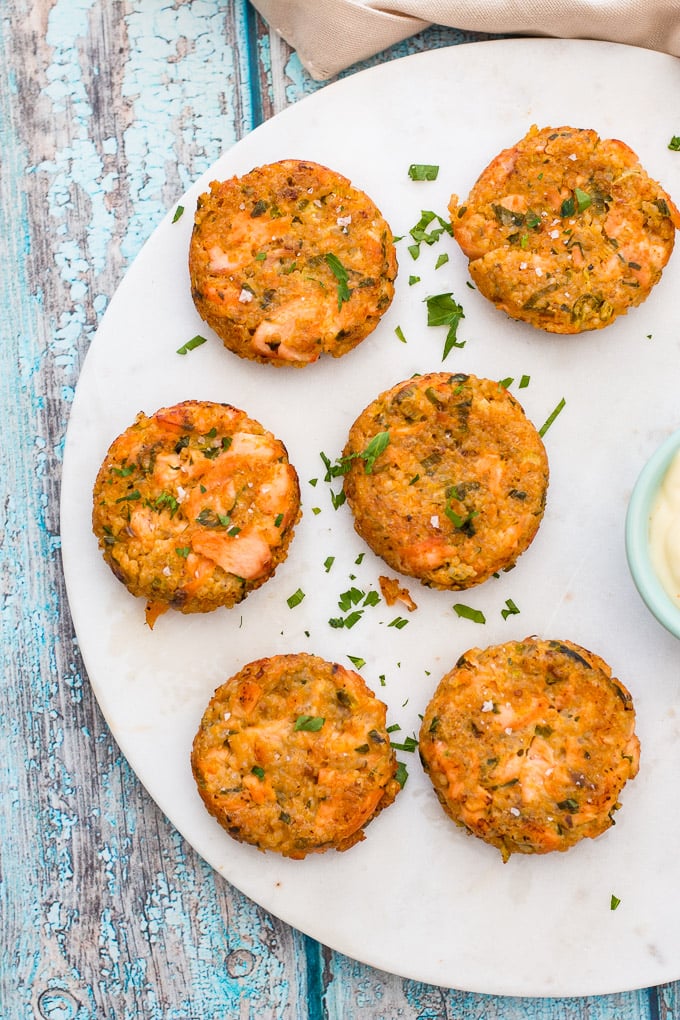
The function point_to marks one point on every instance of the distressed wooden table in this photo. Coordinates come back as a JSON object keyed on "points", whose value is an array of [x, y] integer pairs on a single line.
{"points": [[109, 110]]}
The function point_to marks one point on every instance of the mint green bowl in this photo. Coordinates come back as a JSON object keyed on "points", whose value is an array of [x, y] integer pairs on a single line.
{"points": [[653, 594]]}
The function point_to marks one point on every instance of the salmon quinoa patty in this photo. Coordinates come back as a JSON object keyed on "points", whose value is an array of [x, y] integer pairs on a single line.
{"points": [[195, 507], [528, 744], [565, 230], [293, 755], [446, 478], [290, 262]]}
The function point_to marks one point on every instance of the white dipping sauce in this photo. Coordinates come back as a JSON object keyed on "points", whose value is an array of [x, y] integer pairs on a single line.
{"points": [[664, 531]]}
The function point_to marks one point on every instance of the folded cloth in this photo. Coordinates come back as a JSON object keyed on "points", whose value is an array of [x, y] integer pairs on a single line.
{"points": [[329, 35]]}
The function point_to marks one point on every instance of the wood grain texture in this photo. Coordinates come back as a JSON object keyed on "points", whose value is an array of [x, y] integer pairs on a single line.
{"points": [[108, 110]]}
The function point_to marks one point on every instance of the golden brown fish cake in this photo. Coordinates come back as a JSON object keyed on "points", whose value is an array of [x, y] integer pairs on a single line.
{"points": [[195, 506], [289, 262], [565, 230], [458, 491], [292, 755], [528, 744]]}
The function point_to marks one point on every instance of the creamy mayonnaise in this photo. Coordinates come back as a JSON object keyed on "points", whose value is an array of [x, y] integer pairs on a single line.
{"points": [[664, 531]]}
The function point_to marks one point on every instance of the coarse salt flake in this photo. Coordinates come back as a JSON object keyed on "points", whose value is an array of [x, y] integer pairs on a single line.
{"points": [[554, 233], [487, 706], [522, 265], [514, 811], [434, 520], [538, 271], [166, 571], [245, 297], [572, 157], [343, 221], [508, 730]]}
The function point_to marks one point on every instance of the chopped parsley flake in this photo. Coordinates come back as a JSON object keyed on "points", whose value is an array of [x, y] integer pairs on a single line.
{"points": [[131, 497], [614, 902], [551, 417], [425, 232], [468, 613], [524, 382], [401, 775], [399, 622], [341, 275], [350, 598], [423, 171], [328, 562], [179, 212], [400, 334], [674, 146], [441, 260], [191, 345], [510, 610], [410, 744], [412, 280], [295, 599], [443, 310], [583, 199], [258, 771], [357, 661], [377, 445], [183, 551], [311, 723]]}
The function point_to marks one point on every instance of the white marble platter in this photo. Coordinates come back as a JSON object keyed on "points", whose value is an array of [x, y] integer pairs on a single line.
{"points": [[418, 897]]}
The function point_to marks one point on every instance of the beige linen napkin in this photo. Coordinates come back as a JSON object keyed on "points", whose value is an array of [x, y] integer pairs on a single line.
{"points": [[329, 35]]}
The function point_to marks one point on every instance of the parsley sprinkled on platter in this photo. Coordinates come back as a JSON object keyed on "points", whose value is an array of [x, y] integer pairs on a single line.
{"points": [[401, 775], [191, 345], [295, 599], [369, 455], [510, 609], [328, 562], [179, 212], [399, 622], [551, 417], [357, 661], [409, 744], [443, 310], [427, 230], [468, 613], [423, 171], [441, 260], [400, 334], [341, 275], [674, 144], [614, 901], [524, 382], [310, 723]]}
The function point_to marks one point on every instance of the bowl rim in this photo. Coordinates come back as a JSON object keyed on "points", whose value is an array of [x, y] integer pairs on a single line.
{"points": [[645, 491]]}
